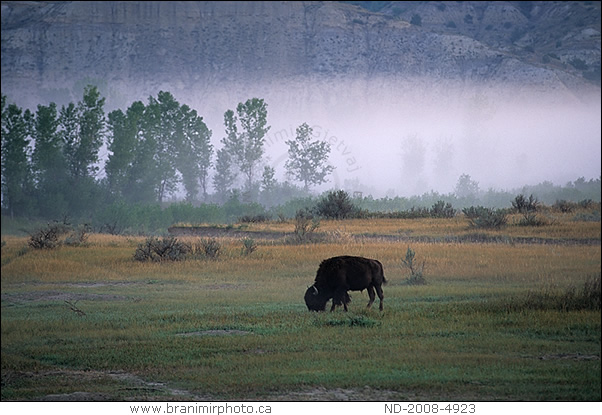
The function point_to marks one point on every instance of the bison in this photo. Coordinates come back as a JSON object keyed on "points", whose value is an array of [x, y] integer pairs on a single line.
{"points": [[340, 274]]}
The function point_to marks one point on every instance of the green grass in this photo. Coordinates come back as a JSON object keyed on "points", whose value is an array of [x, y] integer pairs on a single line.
{"points": [[236, 328]]}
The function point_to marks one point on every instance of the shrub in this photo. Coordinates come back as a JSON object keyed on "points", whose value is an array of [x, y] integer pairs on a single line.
{"points": [[305, 225], [248, 246], [564, 206], [166, 249], [593, 216], [531, 219], [521, 204], [586, 203], [78, 237], [442, 210], [488, 218], [335, 205], [48, 237], [474, 211], [416, 270], [209, 248]]}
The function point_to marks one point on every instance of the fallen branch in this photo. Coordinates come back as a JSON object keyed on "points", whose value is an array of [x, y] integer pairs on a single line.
{"points": [[74, 308]]}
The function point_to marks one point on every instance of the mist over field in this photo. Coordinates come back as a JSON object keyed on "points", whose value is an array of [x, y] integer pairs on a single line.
{"points": [[393, 137]]}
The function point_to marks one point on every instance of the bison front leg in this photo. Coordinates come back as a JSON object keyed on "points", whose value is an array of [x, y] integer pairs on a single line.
{"points": [[340, 297], [371, 295]]}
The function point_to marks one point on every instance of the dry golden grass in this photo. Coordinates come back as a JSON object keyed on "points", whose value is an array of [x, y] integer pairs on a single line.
{"points": [[558, 226], [110, 258]]}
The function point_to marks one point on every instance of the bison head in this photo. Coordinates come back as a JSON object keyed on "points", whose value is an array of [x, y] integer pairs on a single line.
{"points": [[316, 300]]}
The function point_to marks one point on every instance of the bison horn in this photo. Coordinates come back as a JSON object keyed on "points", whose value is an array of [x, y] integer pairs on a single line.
{"points": [[315, 290]]}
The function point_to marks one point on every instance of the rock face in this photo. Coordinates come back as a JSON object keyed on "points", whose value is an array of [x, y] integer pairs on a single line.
{"points": [[50, 49]]}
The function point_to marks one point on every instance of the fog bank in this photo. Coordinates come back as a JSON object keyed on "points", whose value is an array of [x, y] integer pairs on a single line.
{"points": [[401, 137]]}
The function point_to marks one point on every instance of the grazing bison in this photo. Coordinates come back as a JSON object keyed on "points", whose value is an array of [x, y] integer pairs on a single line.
{"points": [[340, 274]]}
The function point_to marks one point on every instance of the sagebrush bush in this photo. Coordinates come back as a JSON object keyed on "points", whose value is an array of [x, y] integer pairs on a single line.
{"points": [[531, 219], [248, 246], [488, 218], [166, 249], [442, 210], [522, 204], [474, 211], [209, 248]]}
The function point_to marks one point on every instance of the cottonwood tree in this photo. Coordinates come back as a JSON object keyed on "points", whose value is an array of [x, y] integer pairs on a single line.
{"points": [[17, 180], [308, 159], [245, 145], [48, 162], [223, 178], [194, 152], [123, 143], [160, 131], [83, 133], [156, 147], [82, 130]]}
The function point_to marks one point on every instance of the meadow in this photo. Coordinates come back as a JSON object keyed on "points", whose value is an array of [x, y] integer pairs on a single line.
{"points": [[499, 318]]}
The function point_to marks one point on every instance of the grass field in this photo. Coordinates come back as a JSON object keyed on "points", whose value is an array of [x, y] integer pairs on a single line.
{"points": [[495, 321]]}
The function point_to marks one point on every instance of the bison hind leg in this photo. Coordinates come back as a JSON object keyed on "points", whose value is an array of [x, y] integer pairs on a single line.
{"points": [[381, 296], [372, 296]]}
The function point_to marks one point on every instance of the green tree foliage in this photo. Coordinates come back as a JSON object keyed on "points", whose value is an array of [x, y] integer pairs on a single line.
{"points": [[48, 160], [194, 152], [124, 135], [224, 177], [307, 161], [335, 205], [245, 145], [17, 181], [160, 132], [156, 147], [84, 133]]}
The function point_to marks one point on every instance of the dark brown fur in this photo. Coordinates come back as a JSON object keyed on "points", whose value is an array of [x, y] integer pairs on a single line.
{"points": [[338, 275]]}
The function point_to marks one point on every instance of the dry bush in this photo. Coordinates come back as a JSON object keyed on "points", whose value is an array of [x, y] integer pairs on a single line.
{"points": [[208, 248], [166, 249], [48, 237]]}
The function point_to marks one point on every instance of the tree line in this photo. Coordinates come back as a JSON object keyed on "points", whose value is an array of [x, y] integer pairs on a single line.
{"points": [[52, 164]]}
